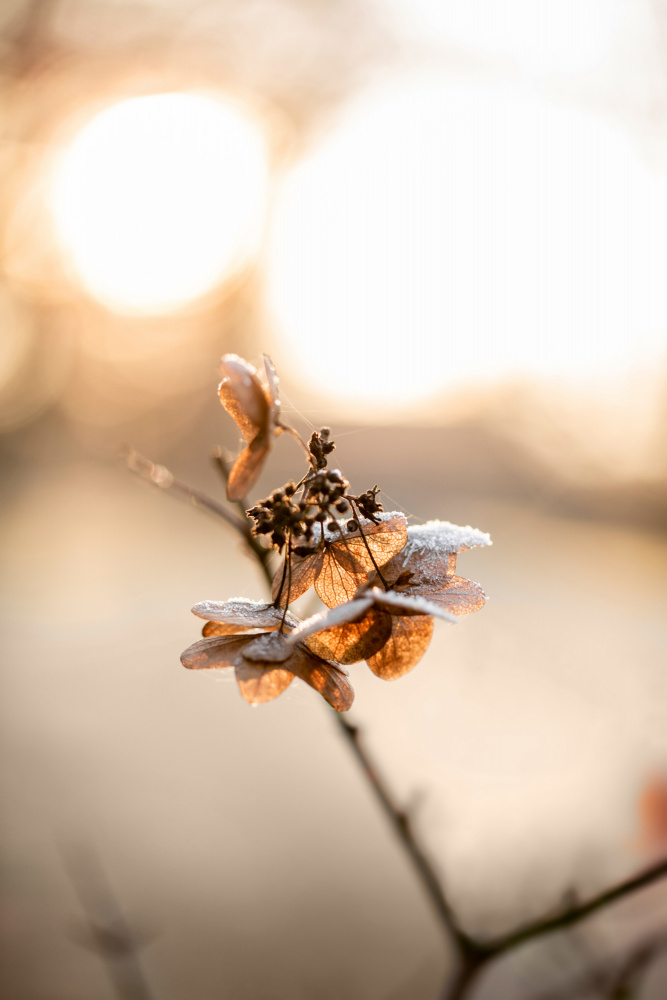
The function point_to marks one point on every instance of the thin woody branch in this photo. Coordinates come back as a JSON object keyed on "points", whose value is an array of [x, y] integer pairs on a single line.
{"points": [[400, 821], [160, 476], [571, 916]]}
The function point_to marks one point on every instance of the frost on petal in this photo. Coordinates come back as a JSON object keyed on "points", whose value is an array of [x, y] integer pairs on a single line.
{"points": [[409, 604], [214, 652], [241, 615], [325, 677], [430, 552], [460, 597], [404, 649], [258, 683], [242, 395], [351, 642], [269, 648], [443, 537], [291, 584]]}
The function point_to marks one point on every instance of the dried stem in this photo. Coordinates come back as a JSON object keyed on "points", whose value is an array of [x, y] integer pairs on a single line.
{"points": [[472, 955], [368, 548], [476, 955], [160, 476], [400, 821], [573, 915]]}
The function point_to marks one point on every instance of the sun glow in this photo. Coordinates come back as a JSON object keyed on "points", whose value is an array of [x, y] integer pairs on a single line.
{"points": [[159, 198], [447, 235]]}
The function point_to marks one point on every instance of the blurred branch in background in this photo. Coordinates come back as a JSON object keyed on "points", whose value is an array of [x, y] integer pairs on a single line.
{"points": [[107, 933]]}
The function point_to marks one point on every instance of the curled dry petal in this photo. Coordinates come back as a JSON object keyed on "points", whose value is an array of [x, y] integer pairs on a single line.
{"points": [[325, 677], [405, 647], [266, 664], [259, 684], [322, 675], [341, 563], [255, 409], [240, 615], [214, 652]]}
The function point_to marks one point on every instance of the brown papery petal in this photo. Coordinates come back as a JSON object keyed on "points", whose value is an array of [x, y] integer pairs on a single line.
{"points": [[247, 468], [336, 584], [351, 642], [222, 628], [433, 572], [259, 684], [299, 579], [384, 540], [325, 677], [214, 652], [460, 597], [242, 395], [404, 649]]}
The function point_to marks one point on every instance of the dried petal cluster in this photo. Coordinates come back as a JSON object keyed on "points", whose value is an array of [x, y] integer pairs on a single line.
{"points": [[265, 663], [383, 583]]}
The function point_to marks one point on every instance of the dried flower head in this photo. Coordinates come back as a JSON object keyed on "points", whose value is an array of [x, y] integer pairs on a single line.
{"points": [[265, 664], [383, 583], [391, 629], [256, 409]]}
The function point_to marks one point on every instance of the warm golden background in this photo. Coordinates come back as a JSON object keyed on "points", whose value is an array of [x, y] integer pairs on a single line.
{"points": [[450, 233]]}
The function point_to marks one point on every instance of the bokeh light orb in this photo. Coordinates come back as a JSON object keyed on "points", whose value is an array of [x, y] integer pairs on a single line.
{"points": [[159, 198], [447, 235]]}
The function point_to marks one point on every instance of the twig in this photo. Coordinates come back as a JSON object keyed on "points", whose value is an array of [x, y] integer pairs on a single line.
{"points": [[539, 928], [401, 824], [160, 476], [477, 955]]}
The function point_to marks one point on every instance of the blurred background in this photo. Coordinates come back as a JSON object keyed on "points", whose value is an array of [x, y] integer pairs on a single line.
{"points": [[447, 225]]}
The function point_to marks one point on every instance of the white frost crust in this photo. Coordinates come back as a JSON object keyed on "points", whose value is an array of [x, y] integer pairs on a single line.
{"points": [[410, 604], [443, 538], [244, 613]]}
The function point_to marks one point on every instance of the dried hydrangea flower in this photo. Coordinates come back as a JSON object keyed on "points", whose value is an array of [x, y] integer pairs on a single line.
{"points": [[255, 408], [266, 664], [341, 560], [392, 629]]}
